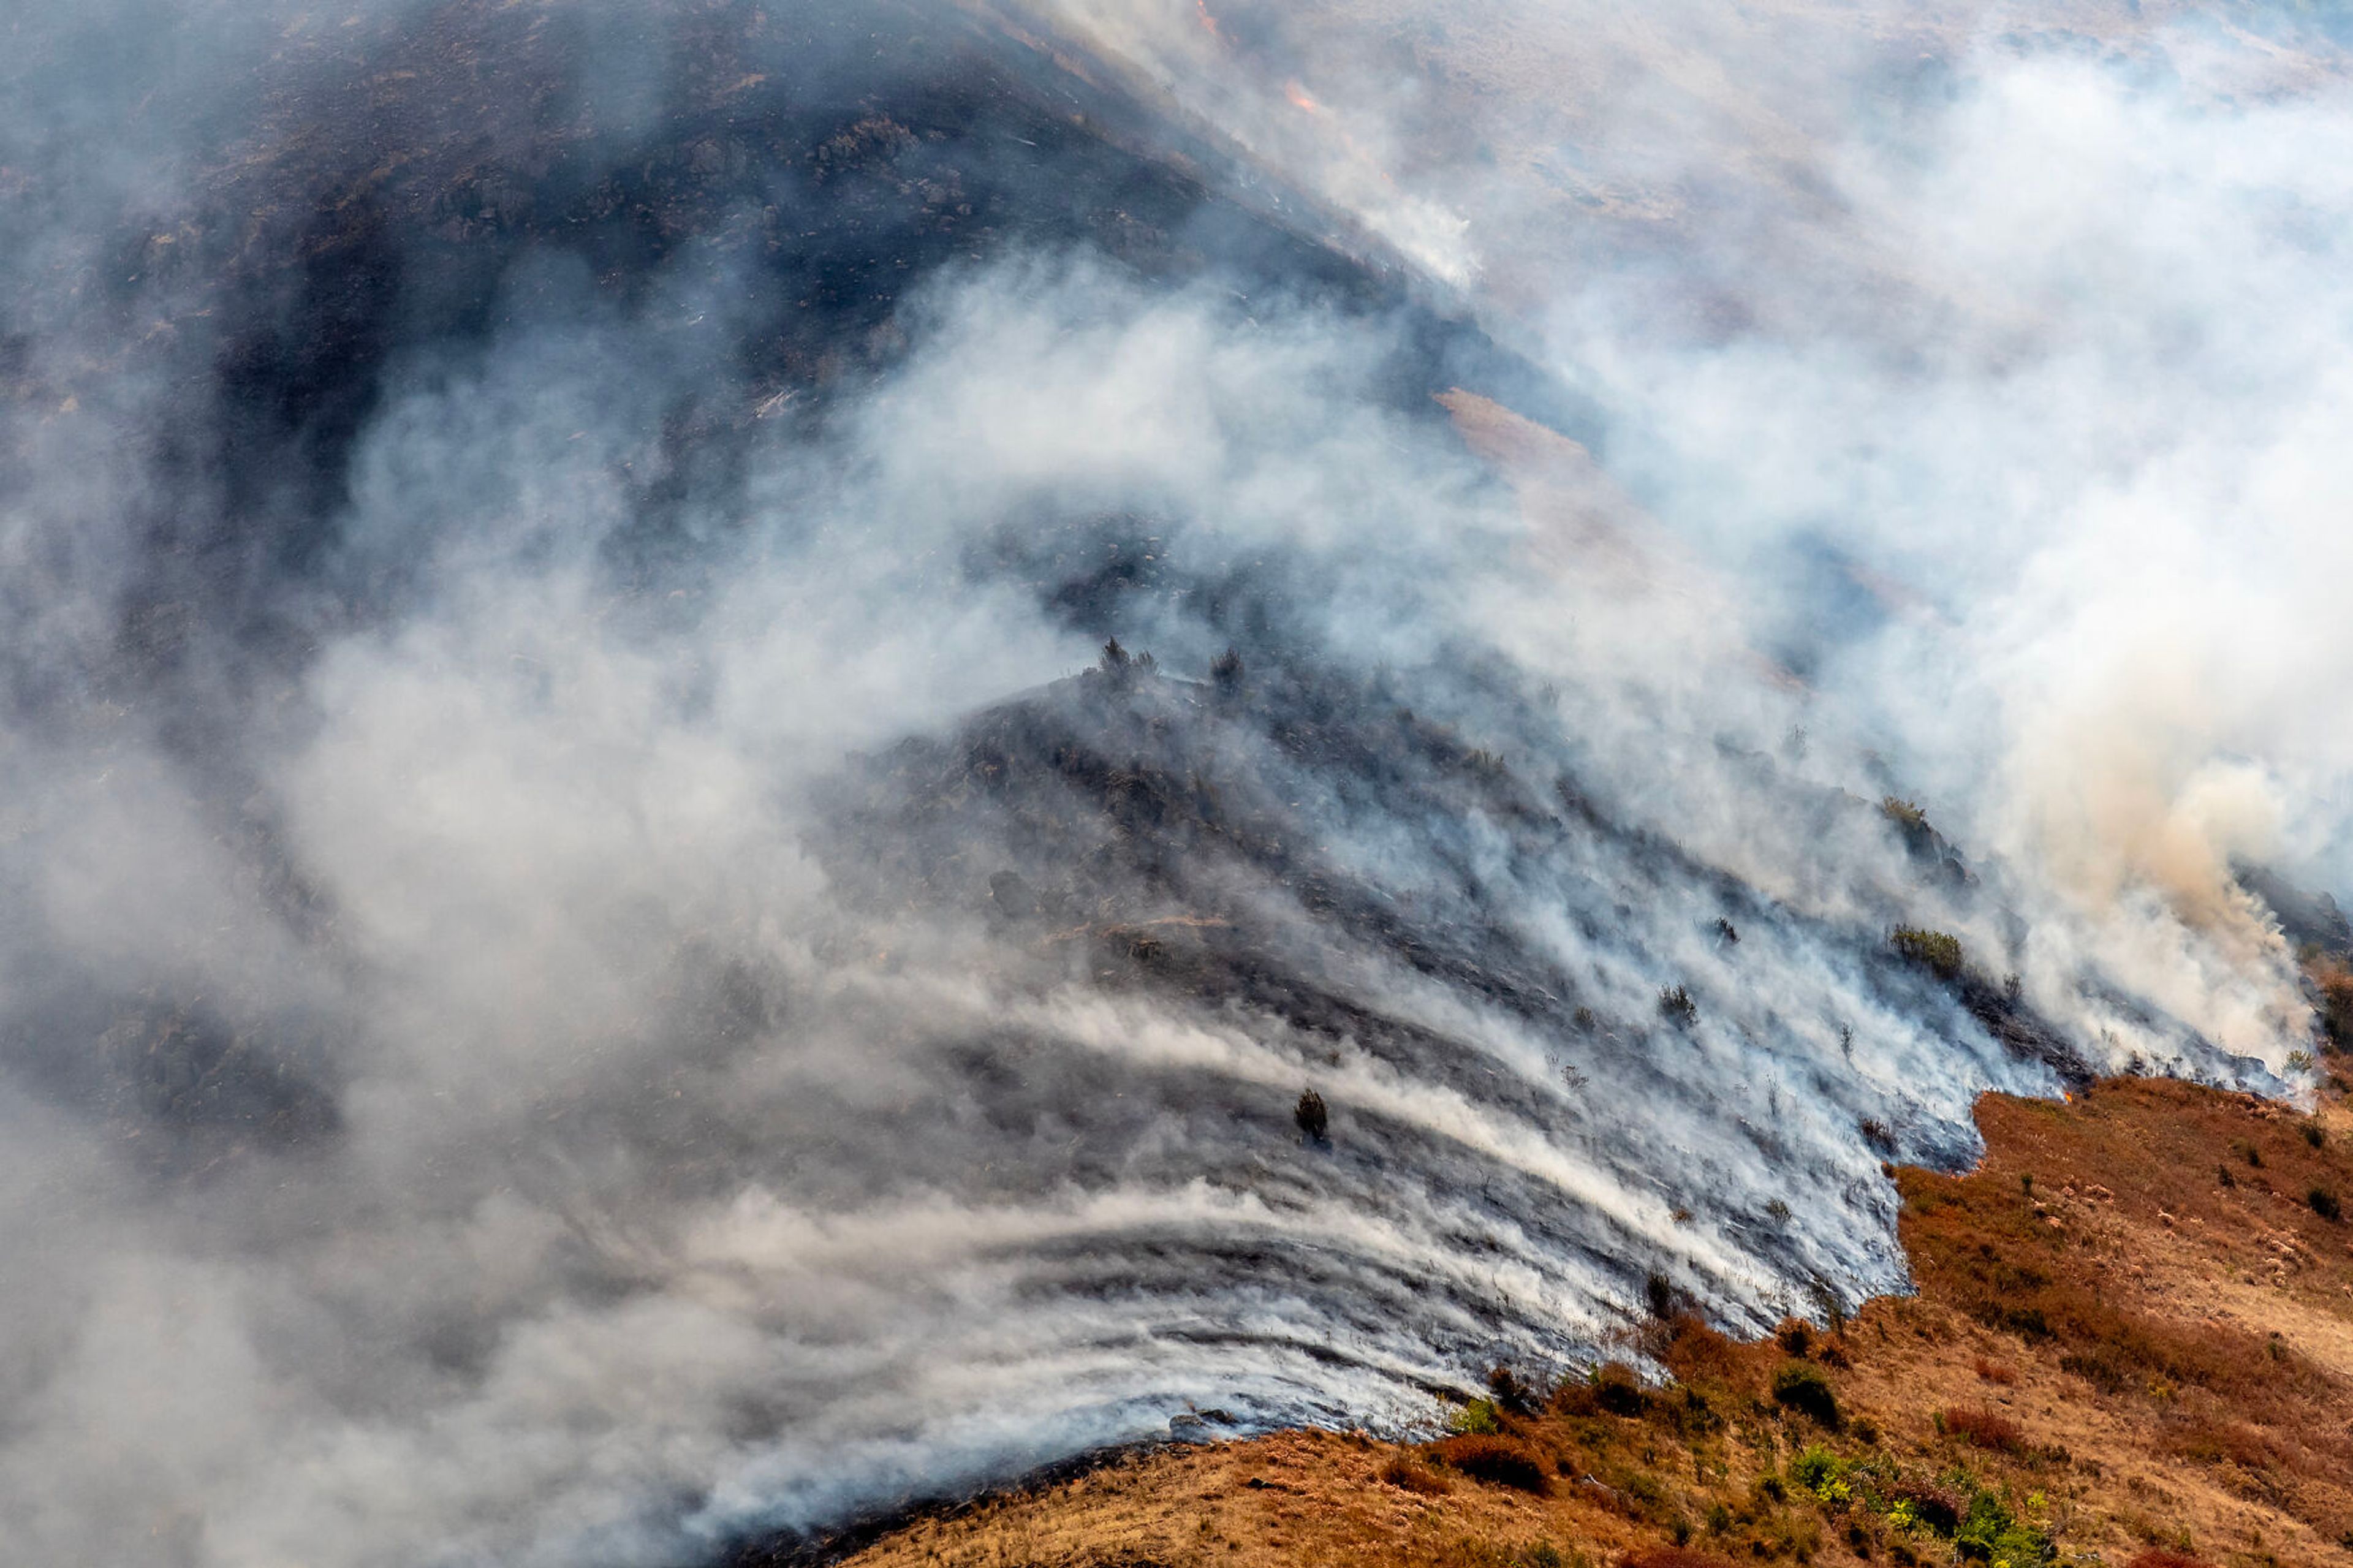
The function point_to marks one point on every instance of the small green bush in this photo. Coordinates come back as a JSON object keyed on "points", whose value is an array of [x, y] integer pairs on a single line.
{"points": [[1814, 1468], [1800, 1387], [1903, 813], [1934, 950], [1988, 1532], [1479, 1418]]}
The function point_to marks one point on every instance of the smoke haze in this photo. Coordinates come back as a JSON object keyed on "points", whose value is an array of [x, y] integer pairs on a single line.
{"points": [[598, 962]]}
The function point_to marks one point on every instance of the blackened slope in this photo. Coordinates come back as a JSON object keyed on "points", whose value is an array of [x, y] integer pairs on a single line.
{"points": [[391, 199], [808, 164]]}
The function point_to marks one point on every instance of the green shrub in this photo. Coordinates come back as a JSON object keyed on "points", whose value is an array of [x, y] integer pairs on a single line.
{"points": [[1934, 950], [1903, 813], [1800, 1387], [1477, 1419], [1990, 1534], [1824, 1476]]}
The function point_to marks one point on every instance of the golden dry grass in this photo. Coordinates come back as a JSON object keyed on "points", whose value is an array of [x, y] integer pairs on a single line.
{"points": [[2132, 1328]]}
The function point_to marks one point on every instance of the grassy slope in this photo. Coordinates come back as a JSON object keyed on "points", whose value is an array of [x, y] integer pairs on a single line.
{"points": [[2150, 1346]]}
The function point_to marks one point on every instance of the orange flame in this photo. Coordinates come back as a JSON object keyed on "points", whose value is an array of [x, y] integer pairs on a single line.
{"points": [[1208, 21], [1300, 99]]}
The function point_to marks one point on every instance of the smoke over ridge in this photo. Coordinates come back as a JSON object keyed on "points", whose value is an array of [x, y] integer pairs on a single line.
{"points": [[601, 962]]}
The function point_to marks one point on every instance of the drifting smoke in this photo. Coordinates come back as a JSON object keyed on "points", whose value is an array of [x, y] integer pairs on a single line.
{"points": [[600, 960]]}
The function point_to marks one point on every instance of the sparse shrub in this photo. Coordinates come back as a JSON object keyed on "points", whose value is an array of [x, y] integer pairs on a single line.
{"points": [[1877, 1133], [1903, 813], [1114, 660], [1500, 1461], [1617, 1390], [2313, 1134], [1404, 1474], [1479, 1418], [2164, 1557], [2335, 983], [1796, 1336], [2324, 1203], [1985, 1428], [1315, 1120], [1659, 1293], [1226, 671], [1938, 951], [1509, 1392], [1915, 1505], [1675, 1006], [1996, 1371], [1726, 933], [1801, 1387]]}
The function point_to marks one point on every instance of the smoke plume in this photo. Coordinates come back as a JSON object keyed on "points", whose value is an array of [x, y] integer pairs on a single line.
{"points": [[707, 713]]}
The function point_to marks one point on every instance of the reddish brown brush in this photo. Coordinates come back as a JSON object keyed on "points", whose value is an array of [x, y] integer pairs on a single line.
{"points": [[1673, 1557], [1996, 1371], [2160, 1557], [1499, 1460], [1985, 1428], [1403, 1473]]}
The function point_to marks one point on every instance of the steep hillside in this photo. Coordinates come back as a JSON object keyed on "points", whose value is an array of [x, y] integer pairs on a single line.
{"points": [[2132, 1338]]}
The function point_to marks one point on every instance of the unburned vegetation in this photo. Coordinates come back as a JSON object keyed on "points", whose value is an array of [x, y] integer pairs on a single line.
{"points": [[2132, 1345]]}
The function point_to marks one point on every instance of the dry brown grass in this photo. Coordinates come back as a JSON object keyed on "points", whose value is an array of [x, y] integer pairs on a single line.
{"points": [[2140, 1357], [1991, 1371], [1673, 1557], [1985, 1428], [1404, 1471], [1502, 1461]]}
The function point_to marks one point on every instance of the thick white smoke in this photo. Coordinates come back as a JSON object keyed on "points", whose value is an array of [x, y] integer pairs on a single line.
{"points": [[610, 986]]}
